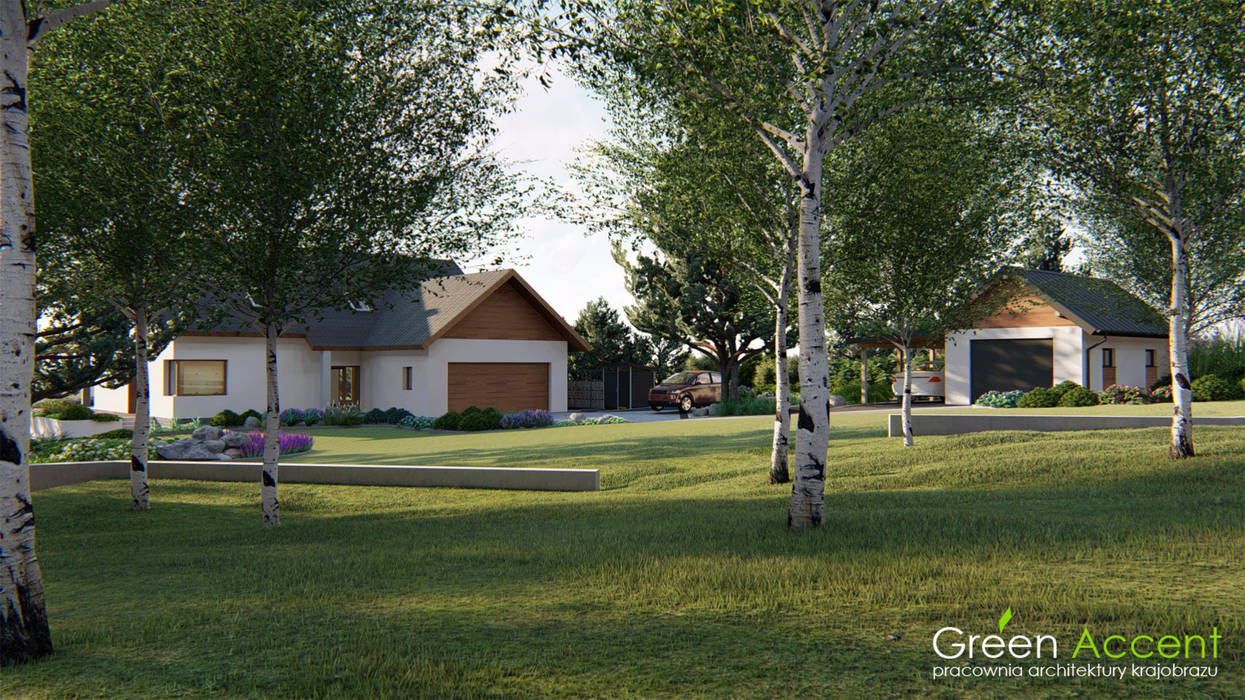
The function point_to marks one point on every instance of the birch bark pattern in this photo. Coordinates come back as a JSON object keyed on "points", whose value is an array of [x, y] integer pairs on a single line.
{"points": [[1178, 350], [268, 477], [813, 433], [142, 414], [778, 472], [864, 374], [24, 632], [907, 396]]}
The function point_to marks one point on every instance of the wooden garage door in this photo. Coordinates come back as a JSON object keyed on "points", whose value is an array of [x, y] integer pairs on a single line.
{"points": [[1006, 365], [506, 386]]}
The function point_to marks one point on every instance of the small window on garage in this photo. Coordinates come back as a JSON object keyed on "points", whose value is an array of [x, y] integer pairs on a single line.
{"points": [[1149, 358], [407, 380], [1108, 357]]}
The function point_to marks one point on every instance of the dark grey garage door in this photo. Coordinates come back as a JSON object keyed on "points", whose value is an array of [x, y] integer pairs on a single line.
{"points": [[1004, 365]]}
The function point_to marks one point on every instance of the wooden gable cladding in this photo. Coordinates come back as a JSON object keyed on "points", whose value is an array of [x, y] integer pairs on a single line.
{"points": [[508, 313], [1015, 306]]}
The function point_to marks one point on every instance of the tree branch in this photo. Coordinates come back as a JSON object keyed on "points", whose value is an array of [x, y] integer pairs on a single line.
{"points": [[39, 26]]}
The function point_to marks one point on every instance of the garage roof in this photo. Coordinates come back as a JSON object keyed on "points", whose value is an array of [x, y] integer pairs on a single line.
{"points": [[410, 320], [1100, 306]]}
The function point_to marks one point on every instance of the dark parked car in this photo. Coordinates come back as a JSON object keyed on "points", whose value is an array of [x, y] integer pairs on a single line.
{"points": [[693, 387]]}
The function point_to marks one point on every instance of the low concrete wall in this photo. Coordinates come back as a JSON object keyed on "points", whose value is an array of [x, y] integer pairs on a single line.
{"points": [[924, 423], [46, 476]]}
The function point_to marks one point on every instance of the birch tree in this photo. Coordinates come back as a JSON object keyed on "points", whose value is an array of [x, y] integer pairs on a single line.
{"points": [[1143, 104], [24, 632], [926, 216], [805, 76], [114, 126], [344, 156]]}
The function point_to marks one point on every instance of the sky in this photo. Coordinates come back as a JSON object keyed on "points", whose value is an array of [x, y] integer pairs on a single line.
{"points": [[541, 137]]}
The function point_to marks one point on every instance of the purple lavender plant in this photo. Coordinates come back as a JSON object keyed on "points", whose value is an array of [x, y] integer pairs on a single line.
{"points": [[527, 419], [287, 443]]}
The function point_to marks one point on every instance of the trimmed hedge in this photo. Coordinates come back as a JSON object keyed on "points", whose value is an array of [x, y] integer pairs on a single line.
{"points": [[1078, 396]]}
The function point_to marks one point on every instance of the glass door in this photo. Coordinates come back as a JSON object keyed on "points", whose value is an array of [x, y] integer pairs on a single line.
{"points": [[345, 389]]}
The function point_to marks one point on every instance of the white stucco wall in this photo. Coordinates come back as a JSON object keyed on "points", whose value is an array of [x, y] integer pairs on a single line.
{"points": [[1130, 360], [1066, 344]]}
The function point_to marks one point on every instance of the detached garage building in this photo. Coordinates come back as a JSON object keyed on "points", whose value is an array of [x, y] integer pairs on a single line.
{"points": [[483, 339], [1048, 327]]}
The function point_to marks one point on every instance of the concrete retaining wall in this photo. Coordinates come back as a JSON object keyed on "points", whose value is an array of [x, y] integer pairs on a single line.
{"points": [[924, 423], [46, 476]]}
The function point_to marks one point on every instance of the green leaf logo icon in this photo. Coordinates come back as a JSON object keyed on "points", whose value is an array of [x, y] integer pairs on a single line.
{"points": [[1004, 619]]}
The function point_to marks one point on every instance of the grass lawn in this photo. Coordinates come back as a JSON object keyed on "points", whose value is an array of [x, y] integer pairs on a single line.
{"points": [[678, 578], [1200, 408]]}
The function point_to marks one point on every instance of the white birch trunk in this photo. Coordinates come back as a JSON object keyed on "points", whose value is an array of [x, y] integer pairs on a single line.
{"points": [[24, 632], [907, 396], [142, 414], [813, 434], [268, 490], [864, 374], [1178, 346], [778, 472]]}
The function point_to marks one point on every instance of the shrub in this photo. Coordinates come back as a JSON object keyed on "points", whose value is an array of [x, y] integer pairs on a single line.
{"points": [[74, 411], [480, 419], [878, 393], [1165, 380], [396, 415], [291, 416], [1161, 394], [54, 407], [527, 419], [416, 422], [745, 406], [252, 413], [227, 419], [342, 415], [313, 416], [287, 443], [1041, 397], [449, 421], [105, 417], [375, 416], [1116, 394], [118, 434], [1078, 396], [1212, 388], [1241, 385], [1064, 387], [999, 399]]}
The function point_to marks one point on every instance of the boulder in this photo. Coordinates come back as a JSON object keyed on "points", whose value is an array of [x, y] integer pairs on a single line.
{"points": [[206, 432], [576, 417], [235, 440], [232, 452], [214, 446], [836, 400], [185, 450], [251, 423], [223, 457]]}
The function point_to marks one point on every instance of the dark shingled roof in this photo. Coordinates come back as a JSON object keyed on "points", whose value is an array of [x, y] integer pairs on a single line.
{"points": [[404, 320], [1101, 305]]}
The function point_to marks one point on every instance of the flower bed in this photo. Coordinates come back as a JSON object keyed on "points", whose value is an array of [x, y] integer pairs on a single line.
{"points": [[288, 443]]}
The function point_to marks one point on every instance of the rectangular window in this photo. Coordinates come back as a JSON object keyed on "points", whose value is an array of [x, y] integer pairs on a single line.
{"points": [[407, 382], [1108, 357], [1149, 358], [194, 378]]}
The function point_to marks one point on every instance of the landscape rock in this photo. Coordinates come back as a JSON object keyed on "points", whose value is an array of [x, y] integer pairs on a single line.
{"points": [[702, 411], [251, 423], [223, 457], [234, 440], [232, 452], [214, 446], [836, 400], [576, 417], [206, 432]]}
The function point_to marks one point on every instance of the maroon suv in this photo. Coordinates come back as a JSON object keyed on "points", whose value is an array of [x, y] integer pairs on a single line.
{"points": [[694, 387]]}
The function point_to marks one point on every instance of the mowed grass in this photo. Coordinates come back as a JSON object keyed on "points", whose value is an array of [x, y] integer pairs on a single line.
{"points": [[1206, 409], [678, 578]]}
